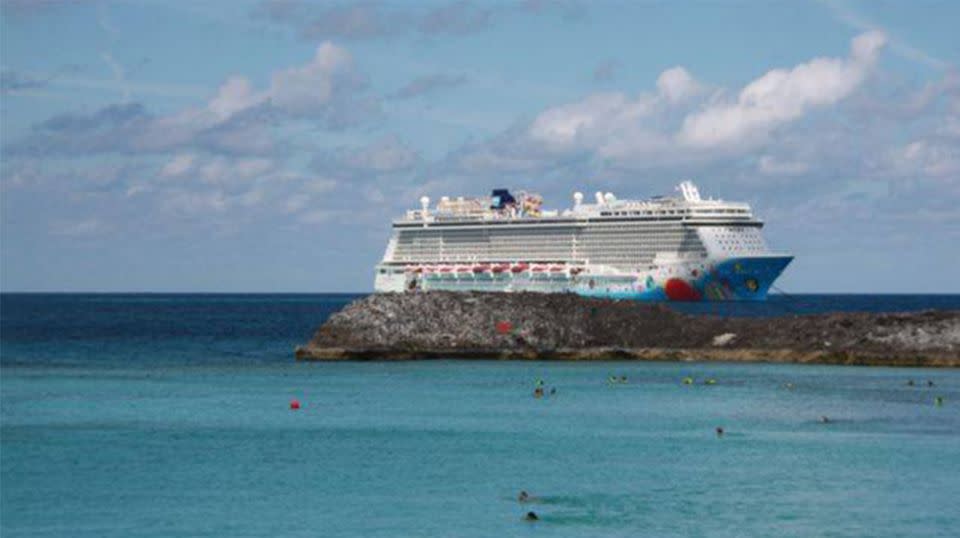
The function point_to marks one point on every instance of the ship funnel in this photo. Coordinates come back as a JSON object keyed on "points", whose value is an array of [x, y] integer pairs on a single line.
{"points": [[599, 197]]}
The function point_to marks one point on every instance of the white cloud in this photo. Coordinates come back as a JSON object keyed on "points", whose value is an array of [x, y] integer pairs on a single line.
{"points": [[387, 155], [307, 88], [586, 121], [217, 169], [772, 166], [783, 95], [930, 158], [178, 166], [90, 227], [677, 84], [234, 95]]}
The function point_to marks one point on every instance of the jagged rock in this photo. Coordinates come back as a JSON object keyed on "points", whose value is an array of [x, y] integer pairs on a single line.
{"points": [[532, 325]]}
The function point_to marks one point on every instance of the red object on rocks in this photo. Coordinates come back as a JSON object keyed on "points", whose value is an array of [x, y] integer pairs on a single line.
{"points": [[294, 404], [504, 327]]}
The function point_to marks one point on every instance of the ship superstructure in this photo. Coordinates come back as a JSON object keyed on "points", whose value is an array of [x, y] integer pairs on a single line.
{"points": [[664, 248]]}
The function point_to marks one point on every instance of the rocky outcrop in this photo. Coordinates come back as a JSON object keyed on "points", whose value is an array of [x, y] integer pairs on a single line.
{"points": [[566, 326]]}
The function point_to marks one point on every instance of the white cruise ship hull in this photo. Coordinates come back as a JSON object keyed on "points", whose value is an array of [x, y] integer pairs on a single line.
{"points": [[738, 278]]}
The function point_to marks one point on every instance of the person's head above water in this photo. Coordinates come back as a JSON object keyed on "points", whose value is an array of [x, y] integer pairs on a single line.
{"points": [[523, 496], [531, 516]]}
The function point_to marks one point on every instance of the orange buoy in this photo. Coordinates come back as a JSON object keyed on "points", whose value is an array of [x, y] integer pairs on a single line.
{"points": [[294, 404]]}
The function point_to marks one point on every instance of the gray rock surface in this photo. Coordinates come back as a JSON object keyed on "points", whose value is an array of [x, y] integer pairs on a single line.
{"points": [[532, 325]]}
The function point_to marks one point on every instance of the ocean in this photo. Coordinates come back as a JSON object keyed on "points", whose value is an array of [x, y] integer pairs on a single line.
{"points": [[169, 415]]}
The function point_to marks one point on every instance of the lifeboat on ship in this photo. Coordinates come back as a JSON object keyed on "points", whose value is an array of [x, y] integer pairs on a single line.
{"points": [[500, 268], [520, 267]]}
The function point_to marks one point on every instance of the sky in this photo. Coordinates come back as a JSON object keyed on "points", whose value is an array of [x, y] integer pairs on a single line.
{"points": [[265, 146]]}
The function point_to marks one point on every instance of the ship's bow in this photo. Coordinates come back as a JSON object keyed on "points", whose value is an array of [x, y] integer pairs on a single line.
{"points": [[746, 278]]}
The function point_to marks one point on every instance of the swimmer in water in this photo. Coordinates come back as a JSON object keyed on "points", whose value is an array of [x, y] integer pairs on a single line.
{"points": [[909, 382], [537, 392], [553, 390], [719, 431], [824, 419], [531, 516], [929, 383], [523, 497]]}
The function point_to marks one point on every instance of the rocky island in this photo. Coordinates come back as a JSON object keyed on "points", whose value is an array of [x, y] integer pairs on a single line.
{"points": [[566, 326]]}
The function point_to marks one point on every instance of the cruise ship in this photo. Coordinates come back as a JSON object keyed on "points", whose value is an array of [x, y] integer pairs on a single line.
{"points": [[666, 248]]}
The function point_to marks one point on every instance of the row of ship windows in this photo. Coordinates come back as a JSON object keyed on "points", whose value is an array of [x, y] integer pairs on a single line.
{"points": [[675, 212], [473, 235], [652, 247], [529, 239], [612, 245]]}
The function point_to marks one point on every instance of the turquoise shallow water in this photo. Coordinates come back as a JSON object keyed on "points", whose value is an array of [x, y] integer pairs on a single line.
{"points": [[192, 436]]}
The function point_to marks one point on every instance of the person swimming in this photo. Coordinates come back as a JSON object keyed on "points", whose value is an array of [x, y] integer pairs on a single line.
{"points": [[719, 431], [531, 516], [538, 392], [824, 419], [523, 497]]}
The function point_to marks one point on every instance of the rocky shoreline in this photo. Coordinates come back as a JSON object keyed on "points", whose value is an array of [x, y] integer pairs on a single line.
{"points": [[445, 325]]}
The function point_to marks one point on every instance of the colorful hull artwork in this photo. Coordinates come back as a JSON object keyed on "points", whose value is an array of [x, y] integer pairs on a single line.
{"points": [[737, 279], [733, 279]]}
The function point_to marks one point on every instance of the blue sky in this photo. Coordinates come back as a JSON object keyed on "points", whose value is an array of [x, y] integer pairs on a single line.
{"points": [[265, 145]]}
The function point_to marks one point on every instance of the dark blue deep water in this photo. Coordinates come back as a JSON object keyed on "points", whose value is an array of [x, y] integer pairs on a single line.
{"points": [[168, 415]]}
